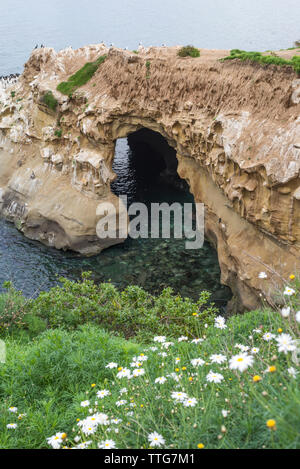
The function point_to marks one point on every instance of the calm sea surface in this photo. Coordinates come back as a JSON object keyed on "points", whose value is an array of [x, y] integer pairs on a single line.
{"points": [[217, 24]]}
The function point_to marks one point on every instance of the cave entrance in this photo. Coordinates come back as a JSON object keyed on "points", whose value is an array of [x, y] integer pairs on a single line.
{"points": [[146, 164], [146, 168]]}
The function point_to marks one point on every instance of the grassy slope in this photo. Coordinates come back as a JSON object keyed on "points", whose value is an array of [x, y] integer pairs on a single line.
{"points": [[81, 77], [49, 377]]}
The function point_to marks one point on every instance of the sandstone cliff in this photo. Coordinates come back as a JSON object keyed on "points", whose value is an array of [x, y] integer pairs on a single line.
{"points": [[235, 128]]}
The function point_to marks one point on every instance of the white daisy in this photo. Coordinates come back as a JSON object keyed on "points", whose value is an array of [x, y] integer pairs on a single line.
{"points": [[167, 344], [190, 402], [111, 365], [11, 425], [155, 439], [214, 377], [254, 350], [292, 372], [160, 380], [218, 358], [262, 275], [124, 373], [268, 336], [103, 393], [285, 343], [197, 341], [138, 372], [179, 396], [13, 409], [56, 440], [220, 322], [85, 403], [182, 338], [160, 338], [289, 291], [224, 413], [197, 362], [107, 444], [285, 312], [83, 445], [298, 316], [121, 402], [241, 362]]}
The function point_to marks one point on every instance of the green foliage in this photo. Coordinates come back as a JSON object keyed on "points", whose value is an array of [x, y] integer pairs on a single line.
{"points": [[58, 133], [50, 101], [13, 94], [133, 312], [264, 59], [188, 51], [148, 66], [48, 377], [12, 309], [81, 77]]}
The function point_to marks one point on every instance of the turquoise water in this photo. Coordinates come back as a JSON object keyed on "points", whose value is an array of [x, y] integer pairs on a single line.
{"points": [[150, 263], [215, 24]]}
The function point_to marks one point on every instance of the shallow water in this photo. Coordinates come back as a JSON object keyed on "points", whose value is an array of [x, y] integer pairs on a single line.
{"points": [[150, 263], [215, 24]]}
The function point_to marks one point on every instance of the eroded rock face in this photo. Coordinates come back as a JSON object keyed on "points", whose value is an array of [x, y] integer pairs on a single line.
{"points": [[235, 128]]}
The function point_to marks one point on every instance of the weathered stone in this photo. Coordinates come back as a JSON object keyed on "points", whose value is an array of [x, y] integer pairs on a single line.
{"points": [[236, 141]]}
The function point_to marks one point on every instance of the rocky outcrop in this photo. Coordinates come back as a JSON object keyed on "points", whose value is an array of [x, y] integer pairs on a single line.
{"points": [[235, 128]]}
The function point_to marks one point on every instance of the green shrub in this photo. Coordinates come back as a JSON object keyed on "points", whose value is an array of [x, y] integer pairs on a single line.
{"points": [[12, 309], [50, 101], [58, 133], [132, 312], [264, 59], [188, 51], [81, 77]]}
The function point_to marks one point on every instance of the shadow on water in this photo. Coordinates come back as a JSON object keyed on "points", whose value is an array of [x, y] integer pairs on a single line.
{"points": [[151, 263]]}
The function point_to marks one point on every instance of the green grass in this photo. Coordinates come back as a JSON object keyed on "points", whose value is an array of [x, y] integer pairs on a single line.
{"points": [[49, 378], [188, 51], [58, 133], [50, 372], [81, 77], [264, 59], [50, 101]]}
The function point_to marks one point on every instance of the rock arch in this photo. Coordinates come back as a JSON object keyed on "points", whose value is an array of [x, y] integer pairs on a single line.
{"points": [[235, 129]]}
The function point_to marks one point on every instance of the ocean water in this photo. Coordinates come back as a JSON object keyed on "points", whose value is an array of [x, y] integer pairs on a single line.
{"points": [[216, 24], [151, 263]]}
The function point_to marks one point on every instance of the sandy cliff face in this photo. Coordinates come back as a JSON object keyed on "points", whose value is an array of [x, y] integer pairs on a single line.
{"points": [[235, 128]]}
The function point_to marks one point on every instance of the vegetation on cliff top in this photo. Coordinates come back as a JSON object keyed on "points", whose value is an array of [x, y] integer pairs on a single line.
{"points": [[188, 51], [220, 384], [49, 100], [81, 77], [264, 59]]}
